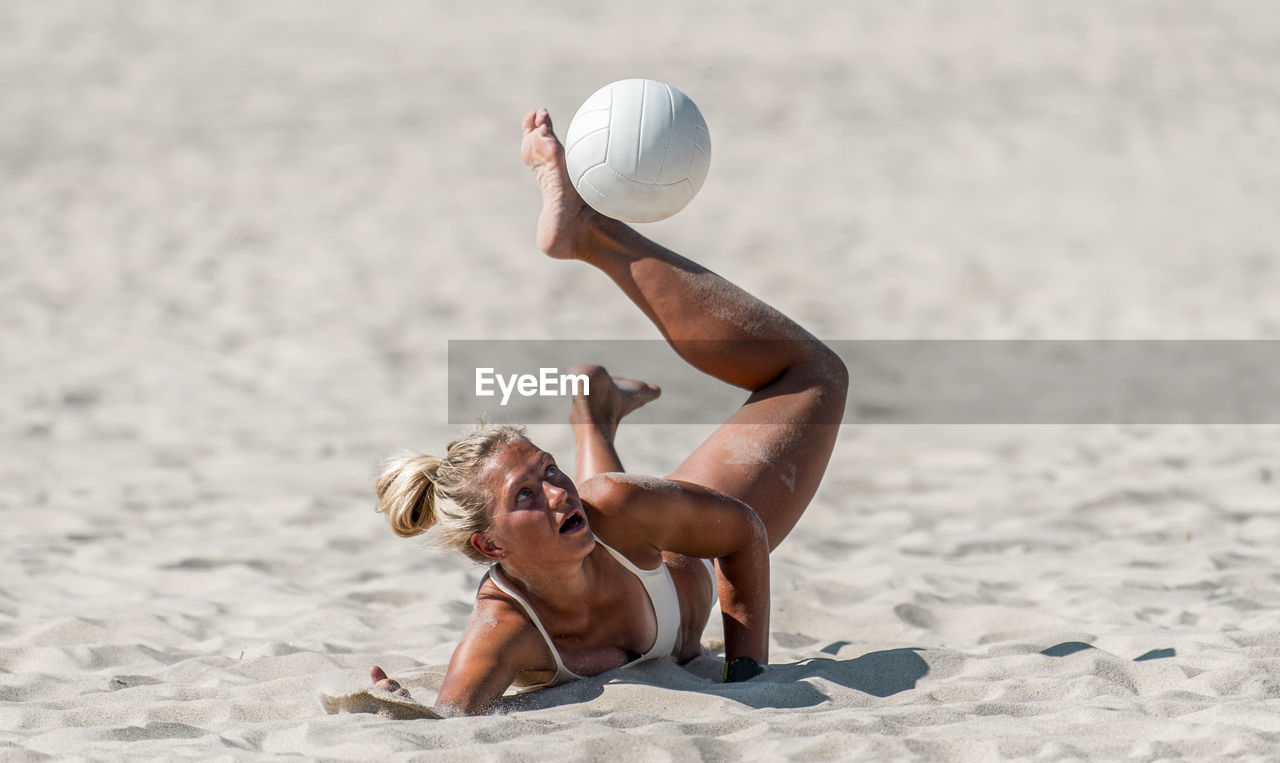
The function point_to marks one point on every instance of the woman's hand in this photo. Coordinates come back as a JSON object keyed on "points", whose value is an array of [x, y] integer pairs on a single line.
{"points": [[380, 681], [741, 669]]}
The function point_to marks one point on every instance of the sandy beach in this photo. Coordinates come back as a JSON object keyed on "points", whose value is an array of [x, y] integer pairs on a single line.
{"points": [[235, 239]]}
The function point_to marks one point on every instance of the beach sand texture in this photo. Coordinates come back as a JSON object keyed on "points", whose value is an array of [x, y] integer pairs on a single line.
{"points": [[235, 238]]}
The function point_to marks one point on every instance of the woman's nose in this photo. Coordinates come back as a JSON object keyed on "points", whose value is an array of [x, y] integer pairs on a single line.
{"points": [[555, 495]]}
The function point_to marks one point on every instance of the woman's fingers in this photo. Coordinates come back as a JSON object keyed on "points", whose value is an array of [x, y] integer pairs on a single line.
{"points": [[380, 681]]}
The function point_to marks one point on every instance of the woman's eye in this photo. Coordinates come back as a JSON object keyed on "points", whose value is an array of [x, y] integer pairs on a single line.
{"points": [[552, 470], [523, 494]]}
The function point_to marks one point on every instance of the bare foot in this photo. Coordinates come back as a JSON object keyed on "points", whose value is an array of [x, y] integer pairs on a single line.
{"points": [[566, 220], [611, 398], [380, 681]]}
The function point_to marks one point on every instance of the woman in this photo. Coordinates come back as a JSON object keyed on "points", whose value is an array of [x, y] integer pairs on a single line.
{"points": [[613, 570]]}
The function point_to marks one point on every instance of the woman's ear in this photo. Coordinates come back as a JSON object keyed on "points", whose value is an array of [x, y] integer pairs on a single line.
{"points": [[486, 545]]}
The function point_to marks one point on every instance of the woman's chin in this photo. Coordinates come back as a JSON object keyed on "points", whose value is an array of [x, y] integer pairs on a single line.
{"points": [[580, 538]]}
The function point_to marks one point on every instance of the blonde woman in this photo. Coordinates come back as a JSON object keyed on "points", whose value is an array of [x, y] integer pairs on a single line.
{"points": [[615, 568]]}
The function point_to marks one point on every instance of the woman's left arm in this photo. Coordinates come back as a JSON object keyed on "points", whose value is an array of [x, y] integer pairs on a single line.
{"points": [[694, 520]]}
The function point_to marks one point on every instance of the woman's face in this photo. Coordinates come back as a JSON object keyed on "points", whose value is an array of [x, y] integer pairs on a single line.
{"points": [[536, 512]]}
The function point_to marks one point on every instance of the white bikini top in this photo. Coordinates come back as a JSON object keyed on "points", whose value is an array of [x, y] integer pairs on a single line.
{"points": [[666, 611]]}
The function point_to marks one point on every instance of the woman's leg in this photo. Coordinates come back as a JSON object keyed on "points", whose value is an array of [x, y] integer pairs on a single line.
{"points": [[595, 418], [772, 453]]}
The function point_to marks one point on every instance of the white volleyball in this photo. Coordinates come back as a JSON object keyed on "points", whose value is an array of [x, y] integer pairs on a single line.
{"points": [[638, 150]]}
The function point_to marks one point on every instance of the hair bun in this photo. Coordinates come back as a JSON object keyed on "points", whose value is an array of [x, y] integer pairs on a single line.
{"points": [[418, 492], [406, 493]]}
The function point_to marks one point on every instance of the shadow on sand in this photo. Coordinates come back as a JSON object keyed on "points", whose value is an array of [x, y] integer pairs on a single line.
{"points": [[880, 674], [1071, 647]]}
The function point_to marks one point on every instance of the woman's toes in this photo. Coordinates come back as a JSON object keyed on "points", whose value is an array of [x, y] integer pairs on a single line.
{"points": [[633, 393]]}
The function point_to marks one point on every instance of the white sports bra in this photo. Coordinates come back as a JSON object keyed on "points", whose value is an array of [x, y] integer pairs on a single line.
{"points": [[662, 594]]}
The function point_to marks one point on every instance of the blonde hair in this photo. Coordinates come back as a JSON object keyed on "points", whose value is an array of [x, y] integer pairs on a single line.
{"points": [[418, 491]]}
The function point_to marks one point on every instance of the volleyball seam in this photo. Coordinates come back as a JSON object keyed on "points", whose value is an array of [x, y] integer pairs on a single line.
{"points": [[671, 124], [644, 88]]}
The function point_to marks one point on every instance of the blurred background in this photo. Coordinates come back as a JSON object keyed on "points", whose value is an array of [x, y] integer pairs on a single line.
{"points": [[247, 230]]}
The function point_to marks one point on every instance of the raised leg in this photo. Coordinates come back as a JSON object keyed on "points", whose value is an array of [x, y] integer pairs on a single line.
{"points": [[773, 451]]}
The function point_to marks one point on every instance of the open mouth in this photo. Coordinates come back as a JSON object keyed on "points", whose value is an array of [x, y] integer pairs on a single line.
{"points": [[573, 523]]}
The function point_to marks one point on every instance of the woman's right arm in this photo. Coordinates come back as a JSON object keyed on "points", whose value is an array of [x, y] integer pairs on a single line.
{"points": [[499, 644], [693, 520]]}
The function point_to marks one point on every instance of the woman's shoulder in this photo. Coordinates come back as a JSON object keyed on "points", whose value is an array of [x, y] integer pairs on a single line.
{"points": [[612, 501], [495, 604], [499, 619], [499, 644], [498, 610], [621, 491], [620, 507]]}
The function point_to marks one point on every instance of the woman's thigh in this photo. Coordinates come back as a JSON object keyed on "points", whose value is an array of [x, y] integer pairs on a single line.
{"points": [[771, 454]]}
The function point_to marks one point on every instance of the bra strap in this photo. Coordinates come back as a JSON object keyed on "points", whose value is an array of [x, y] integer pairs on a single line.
{"points": [[496, 576]]}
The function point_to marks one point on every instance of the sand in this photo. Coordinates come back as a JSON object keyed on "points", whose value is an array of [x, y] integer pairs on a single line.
{"points": [[235, 238]]}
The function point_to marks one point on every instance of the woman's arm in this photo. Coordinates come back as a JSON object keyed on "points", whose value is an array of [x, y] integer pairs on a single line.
{"points": [[689, 519], [498, 645]]}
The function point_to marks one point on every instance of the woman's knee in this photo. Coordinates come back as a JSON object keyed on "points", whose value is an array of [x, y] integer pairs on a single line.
{"points": [[820, 377], [823, 368]]}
